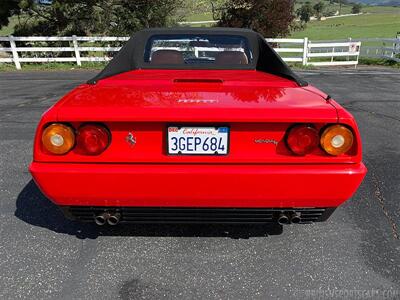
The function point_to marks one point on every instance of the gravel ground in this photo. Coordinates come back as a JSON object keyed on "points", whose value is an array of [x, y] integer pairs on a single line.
{"points": [[354, 255]]}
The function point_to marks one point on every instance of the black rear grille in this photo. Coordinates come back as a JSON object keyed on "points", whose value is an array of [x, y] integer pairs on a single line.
{"points": [[156, 215]]}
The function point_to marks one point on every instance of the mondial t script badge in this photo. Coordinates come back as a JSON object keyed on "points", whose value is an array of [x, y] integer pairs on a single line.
{"points": [[130, 139], [266, 141]]}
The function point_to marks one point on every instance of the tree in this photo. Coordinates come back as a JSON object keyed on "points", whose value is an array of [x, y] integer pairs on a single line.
{"points": [[7, 9], [341, 2], [84, 17], [319, 8], [131, 16], [271, 18], [356, 9], [305, 12]]}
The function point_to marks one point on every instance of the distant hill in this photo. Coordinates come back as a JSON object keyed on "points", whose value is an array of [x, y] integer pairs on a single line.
{"points": [[379, 2]]}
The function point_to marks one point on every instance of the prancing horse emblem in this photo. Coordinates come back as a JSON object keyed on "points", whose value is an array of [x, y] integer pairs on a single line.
{"points": [[131, 140]]}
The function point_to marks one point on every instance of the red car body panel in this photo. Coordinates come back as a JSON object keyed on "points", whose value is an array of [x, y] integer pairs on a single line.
{"points": [[204, 96], [193, 185], [255, 105]]}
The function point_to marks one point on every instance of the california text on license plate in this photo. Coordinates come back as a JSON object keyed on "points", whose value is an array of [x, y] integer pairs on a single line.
{"points": [[198, 140]]}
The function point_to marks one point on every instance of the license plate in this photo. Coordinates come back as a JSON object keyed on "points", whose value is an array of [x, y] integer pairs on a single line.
{"points": [[198, 140]]}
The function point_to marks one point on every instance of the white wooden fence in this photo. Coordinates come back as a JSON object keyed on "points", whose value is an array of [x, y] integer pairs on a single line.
{"points": [[318, 53], [385, 48], [74, 46], [382, 48], [285, 46], [300, 51]]}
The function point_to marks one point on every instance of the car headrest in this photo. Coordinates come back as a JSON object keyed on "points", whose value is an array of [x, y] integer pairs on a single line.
{"points": [[231, 58], [166, 57]]}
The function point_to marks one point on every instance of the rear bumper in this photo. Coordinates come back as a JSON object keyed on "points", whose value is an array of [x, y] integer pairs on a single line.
{"points": [[198, 186]]}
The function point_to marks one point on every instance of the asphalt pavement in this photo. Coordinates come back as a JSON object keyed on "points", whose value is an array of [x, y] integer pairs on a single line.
{"points": [[354, 255]]}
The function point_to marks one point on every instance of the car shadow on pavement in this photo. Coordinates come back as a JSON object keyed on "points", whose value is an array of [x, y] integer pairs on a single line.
{"points": [[35, 209]]}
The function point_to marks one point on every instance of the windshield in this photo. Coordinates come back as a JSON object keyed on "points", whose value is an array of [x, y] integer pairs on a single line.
{"points": [[178, 49]]}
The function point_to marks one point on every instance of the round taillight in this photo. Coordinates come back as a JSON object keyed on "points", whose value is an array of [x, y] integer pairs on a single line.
{"points": [[336, 139], [58, 138], [302, 139], [92, 139]]}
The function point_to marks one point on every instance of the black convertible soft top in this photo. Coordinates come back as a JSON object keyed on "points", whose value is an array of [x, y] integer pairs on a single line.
{"points": [[131, 55]]}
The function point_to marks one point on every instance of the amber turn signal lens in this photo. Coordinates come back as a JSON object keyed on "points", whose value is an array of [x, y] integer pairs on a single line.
{"points": [[58, 138], [336, 139]]}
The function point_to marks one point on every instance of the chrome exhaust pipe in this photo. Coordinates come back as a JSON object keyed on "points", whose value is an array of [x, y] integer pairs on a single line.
{"points": [[101, 219], [295, 218], [114, 219], [283, 219]]}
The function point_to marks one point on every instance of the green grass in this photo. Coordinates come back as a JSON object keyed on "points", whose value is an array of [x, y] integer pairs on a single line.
{"points": [[200, 17], [6, 67], [382, 24], [379, 62], [206, 16], [299, 66]]}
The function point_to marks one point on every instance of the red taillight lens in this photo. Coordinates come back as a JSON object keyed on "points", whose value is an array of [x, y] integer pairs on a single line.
{"points": [[302, 139], [92, 139]]}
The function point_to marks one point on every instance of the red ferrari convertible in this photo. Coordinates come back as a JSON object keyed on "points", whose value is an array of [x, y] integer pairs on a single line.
{"points": [[197, 125]]}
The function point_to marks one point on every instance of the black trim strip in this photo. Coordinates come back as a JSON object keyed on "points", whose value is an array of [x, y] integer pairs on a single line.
{"points": [[150, 215]]}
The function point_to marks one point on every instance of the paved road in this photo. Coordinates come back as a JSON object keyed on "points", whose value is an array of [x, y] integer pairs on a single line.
{"points": [[356, 253]]}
